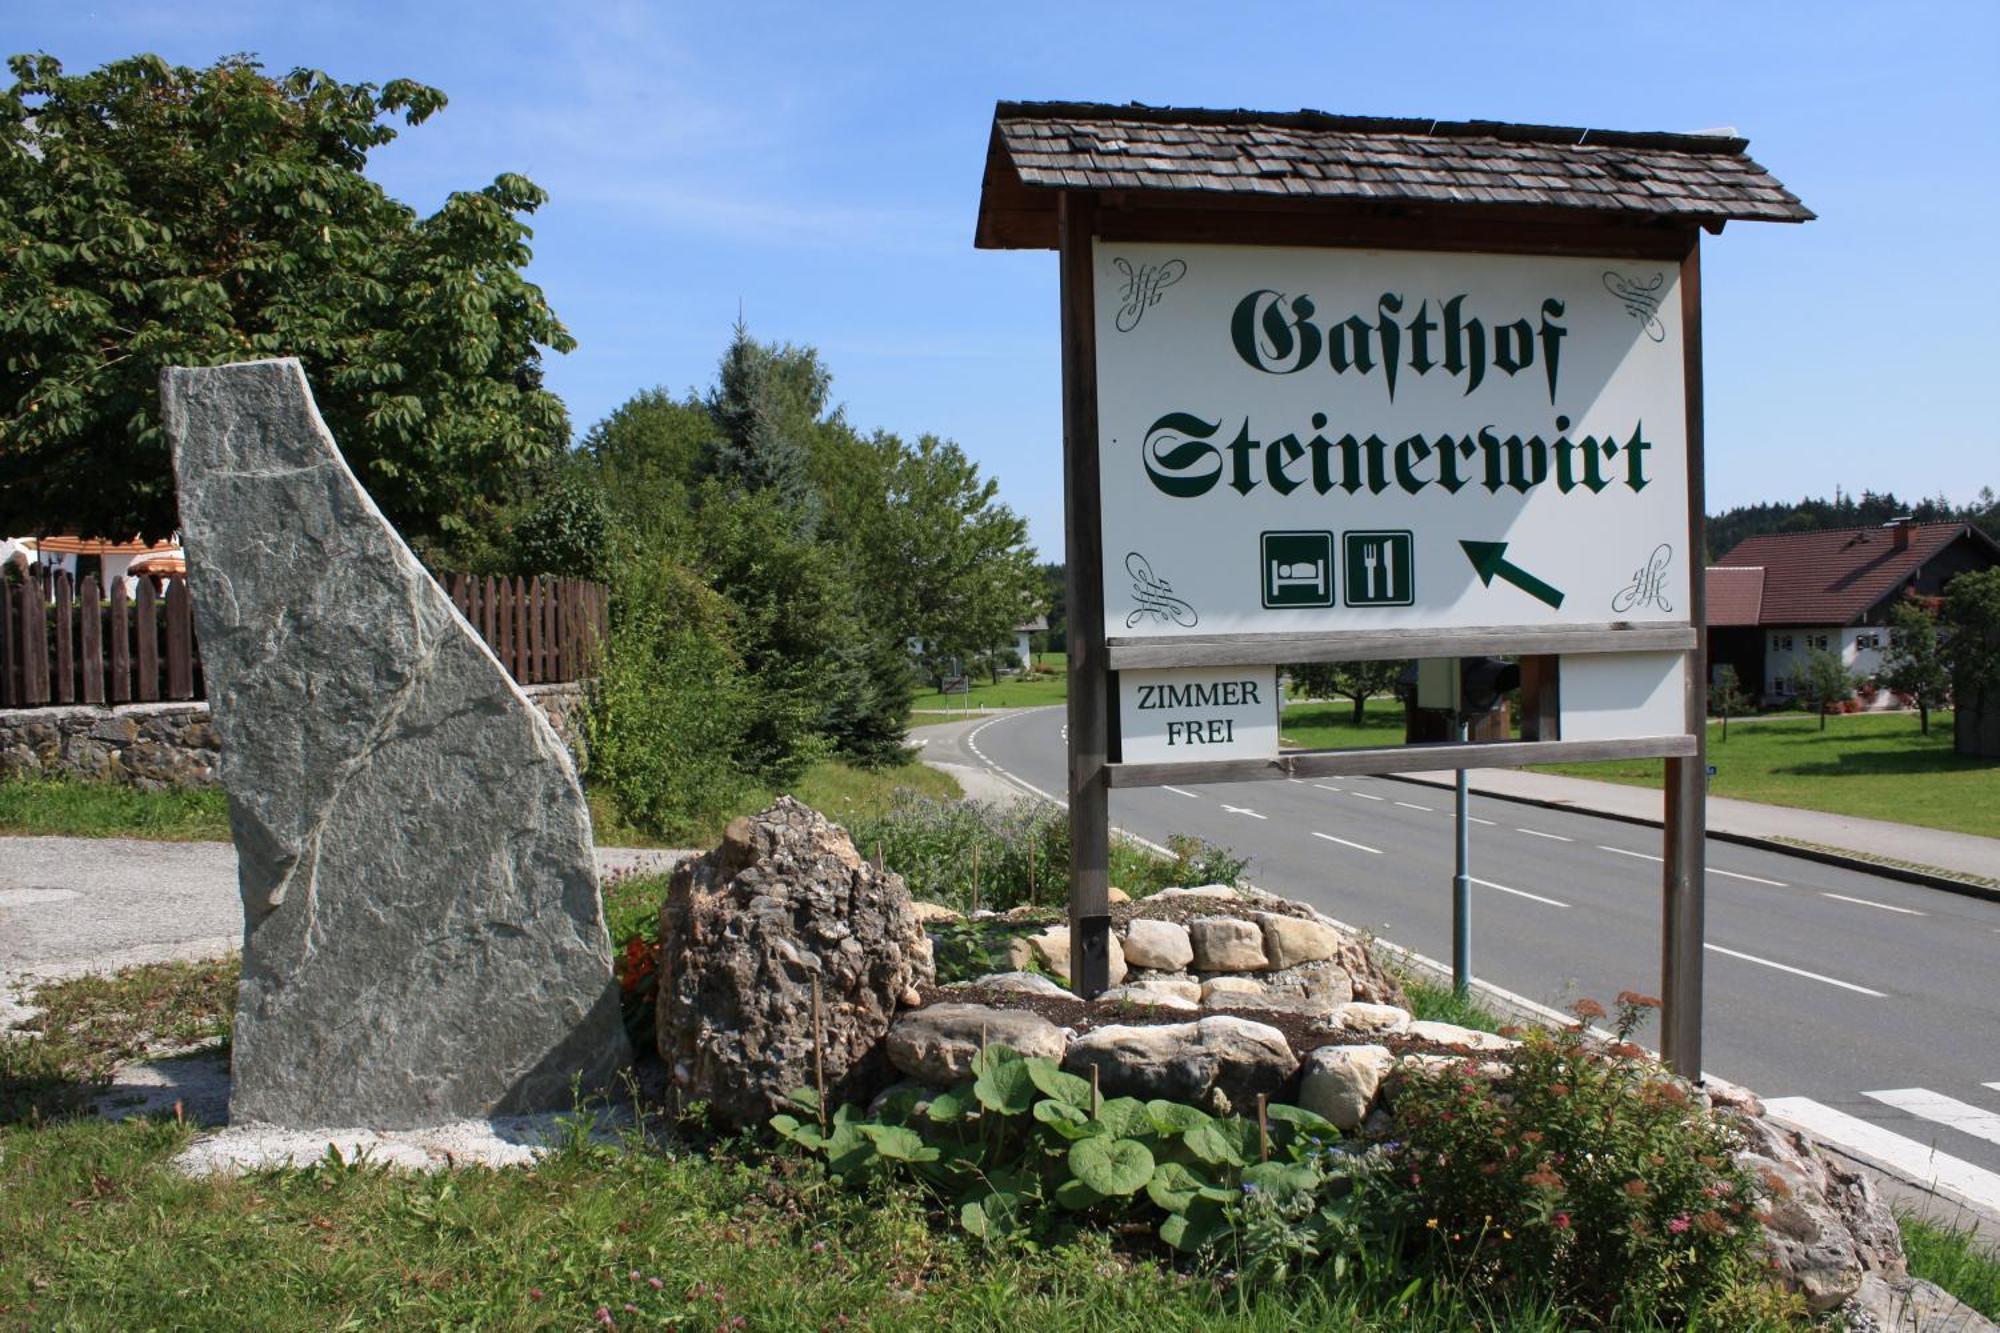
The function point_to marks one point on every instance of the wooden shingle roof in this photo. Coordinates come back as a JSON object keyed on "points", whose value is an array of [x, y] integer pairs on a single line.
{"points": [[1039, 149]]}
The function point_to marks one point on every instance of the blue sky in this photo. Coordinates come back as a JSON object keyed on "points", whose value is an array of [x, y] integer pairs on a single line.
{"points": [[818, 166]]}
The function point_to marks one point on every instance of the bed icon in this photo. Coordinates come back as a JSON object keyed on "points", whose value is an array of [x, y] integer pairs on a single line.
{"points": [[1296, 569]]}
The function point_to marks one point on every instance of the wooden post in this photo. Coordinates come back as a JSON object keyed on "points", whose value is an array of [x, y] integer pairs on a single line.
{"points": [[180, 640], [10, 656], [90, 655], [34, 644], [148, 630], [489, 627], [65, 635], [1541, 699], [1684, 879], [121, 643], [1089, 682]]}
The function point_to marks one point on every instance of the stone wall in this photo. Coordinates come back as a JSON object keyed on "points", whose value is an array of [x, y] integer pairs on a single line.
{"points": [[155, 746]]}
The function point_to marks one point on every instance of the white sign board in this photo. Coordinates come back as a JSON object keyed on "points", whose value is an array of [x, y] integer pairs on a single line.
{"points": [[1317, 440], [1183, 714]]}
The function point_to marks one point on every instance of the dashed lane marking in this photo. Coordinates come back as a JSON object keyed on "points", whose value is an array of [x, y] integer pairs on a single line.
{"points": [[1947, 1174], [1244, 810], [1537, 833], [1372, 851], [1869, 902], [1178, 792], [1943, 1110], [1477, 820], [1408, 806], [1795, 971], [1754, 879], [1518, 893], [1643, 856], [1323, 787], [1365, 796]]}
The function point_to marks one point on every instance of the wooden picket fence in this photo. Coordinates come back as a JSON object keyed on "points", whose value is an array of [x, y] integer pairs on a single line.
{"points": [[543, 630], [61, 644], [65, 643]]}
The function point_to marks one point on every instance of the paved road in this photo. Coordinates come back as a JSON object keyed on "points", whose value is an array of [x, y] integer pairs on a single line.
{"points": [[1867, 1007]]}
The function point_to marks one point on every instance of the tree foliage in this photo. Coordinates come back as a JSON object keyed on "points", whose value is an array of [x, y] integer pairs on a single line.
{"points": [[1867, 510], [1971, 614], [1823, 680], [155, 215], [1358, 681], [1915, 662]]}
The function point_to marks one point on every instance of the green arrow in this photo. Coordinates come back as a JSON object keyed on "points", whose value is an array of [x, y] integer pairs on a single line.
{"points": [[1490, 558]]}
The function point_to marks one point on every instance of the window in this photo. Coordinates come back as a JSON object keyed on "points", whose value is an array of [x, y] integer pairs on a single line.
{"points": [[1816, 641], [1781, 643], [1868, 641]]}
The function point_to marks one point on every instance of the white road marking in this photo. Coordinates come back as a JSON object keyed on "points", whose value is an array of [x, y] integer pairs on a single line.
{"points": [[35, 897], [1408, 806], [1868, 902], [1622, 852], [1944, 1110], [1323, 787], [1178, 792], [1994, 1086], [1948, 1175], [1518, 893], [1754, 879], [1372, 851], [1796, 971], [1365, 796], [1552, 837], [1240, 810], [1477, 820]]}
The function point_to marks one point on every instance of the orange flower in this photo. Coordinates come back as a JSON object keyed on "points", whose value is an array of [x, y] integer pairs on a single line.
{"points": [[1635, 1188], [1587, 1009], [1634, 1000]]}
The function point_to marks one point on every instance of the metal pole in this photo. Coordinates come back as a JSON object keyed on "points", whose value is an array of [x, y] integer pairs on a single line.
{"points": [[1461, 884]]}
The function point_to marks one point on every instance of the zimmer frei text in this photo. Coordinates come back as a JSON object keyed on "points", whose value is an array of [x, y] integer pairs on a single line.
{"points": [[1187, 454]]}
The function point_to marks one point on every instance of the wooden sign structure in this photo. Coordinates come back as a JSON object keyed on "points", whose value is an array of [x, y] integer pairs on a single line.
{"points": [[1345, 389]]}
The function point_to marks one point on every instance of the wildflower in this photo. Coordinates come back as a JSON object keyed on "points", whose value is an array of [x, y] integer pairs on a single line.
{"points": [[1543, 1180], [1712, 1222], [1561, 1220], [1631, 999], [534, 1293], [632, 1276], [1432, 1224], [656, 1283], [1678, 1224], [1635, 1188], [603, 1316], [1505, 1234], [1587, 1009], [1532, 1136], [631, 1308], [819, 1247]]}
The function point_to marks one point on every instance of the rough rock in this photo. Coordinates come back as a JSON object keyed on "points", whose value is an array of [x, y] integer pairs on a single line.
{"points": [[1360, 1016], [423, 937], [1231, 990], [1186, 1061], [934, 913], [1312, 987], [1340, 1082], [1020, 954], [936, 1044], [1464, 1039], [1227, 944], [1158, 944], [1114, 894], [1291, 940], [1158, 996], [1027, 983], [1202, 891], [1824, 1226], [1882, 1305], [1051, 948], [1180, 987], [746, 929]]}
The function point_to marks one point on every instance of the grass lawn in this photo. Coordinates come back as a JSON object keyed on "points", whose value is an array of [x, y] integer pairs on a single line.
{"points": [[1011, 692], [1872, 765], [34, 806], [837, 790], [1954, 1258], [1330, 726], [97, 1230]]}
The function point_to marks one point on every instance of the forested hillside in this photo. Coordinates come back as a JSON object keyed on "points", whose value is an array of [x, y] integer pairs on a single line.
{"points": [[1844, 511]]}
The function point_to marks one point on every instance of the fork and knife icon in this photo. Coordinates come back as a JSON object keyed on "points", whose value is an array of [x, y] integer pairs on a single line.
{"points": [[1378, 562]]}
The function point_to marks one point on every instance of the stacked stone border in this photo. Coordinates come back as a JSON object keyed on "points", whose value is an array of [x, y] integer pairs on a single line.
{"points": [[173, 745]]}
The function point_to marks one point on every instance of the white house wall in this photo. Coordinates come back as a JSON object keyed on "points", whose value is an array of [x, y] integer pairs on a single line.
{"points": [[1785, 651]]}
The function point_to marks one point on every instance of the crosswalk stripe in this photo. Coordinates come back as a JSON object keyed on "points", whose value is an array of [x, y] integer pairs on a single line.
{"points": [[1947, 1174], [1942, 1109]]}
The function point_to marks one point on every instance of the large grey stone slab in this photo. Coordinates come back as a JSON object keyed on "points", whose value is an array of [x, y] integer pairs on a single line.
{"points": [[423, 937]]}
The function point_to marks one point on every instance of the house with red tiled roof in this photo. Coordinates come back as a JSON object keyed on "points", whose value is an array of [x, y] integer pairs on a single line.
{"points": [[1773, 599]]}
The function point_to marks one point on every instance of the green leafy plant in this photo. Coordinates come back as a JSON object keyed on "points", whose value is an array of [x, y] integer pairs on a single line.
{"points": [[1591, 1173], [1027, 1151]]}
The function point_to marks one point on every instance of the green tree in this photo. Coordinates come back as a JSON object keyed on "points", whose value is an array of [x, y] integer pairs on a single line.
{"points": [[765, 401], [945, 561], [1726, 697], [1359, 681], [1971, 615], [1915, 662], [155, 215], [1823, 680]]}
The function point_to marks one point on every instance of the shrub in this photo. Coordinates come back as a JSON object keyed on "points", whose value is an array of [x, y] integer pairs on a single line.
{"points": [[973, 854], [1592, 1173], [665, 725], [1025, 1150]]}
